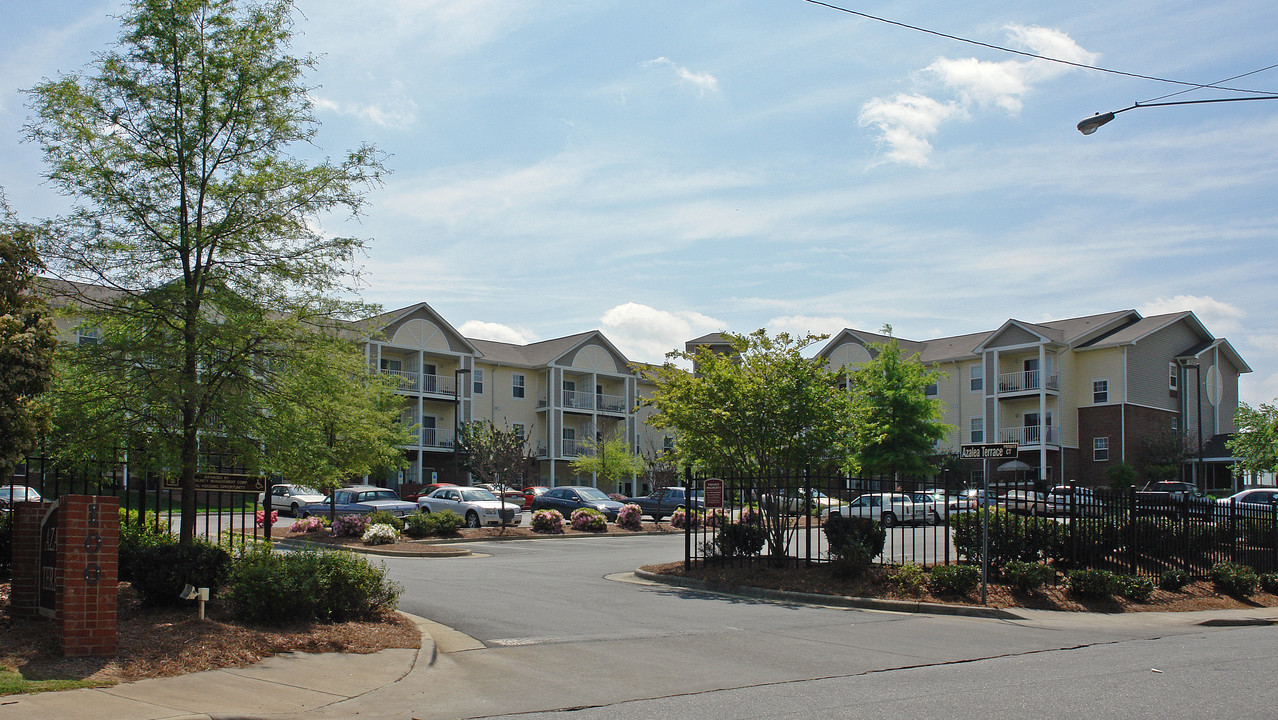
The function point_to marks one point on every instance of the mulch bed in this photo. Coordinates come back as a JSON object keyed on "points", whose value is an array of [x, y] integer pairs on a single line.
{"points": [[876, 582], [463, 534], [162, 642]]}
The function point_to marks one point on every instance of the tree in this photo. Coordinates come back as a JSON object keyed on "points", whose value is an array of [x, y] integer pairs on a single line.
{"points": [[198, 235], [763, 410], [1255, 442], [896, 425], [493, 454], [609, 459], [27, 341], [1161, 457]]}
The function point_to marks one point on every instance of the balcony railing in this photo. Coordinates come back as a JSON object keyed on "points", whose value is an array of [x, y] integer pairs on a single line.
{"points": [[1031, 435], [1027, 380], [611, 403], [573, 448], [436, 438], [418, 382], [578, 400]]}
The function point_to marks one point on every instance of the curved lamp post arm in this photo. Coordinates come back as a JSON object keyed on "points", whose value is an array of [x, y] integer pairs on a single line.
{"points": [[1093, 123]]}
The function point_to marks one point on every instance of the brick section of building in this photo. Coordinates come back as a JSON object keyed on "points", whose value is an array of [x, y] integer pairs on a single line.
{"points": [[1125, 426], [24, 596], [88, 557]]}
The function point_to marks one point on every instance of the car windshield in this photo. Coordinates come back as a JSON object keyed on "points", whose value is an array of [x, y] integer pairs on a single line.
{"points": [[477, 495], [304, 490], [592, 494], [381, 495]]}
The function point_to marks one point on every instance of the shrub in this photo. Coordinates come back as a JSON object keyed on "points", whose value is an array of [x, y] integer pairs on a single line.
{"points": [[854, 540], [630, 517], [740, 538], [547, 521], [681, 518], [1134, 588], [588, 520], [162, 570], [1028, 577], [618, 497], [349, 525], [444, 522], [314, 523], [751, 515], [1269, 583], [954, 579], [418, 525], [381, 517], [6, 542], [136, 537], [308, 585], [260, 518], [1085, 542], [1173, 580], [380, 534], [909, 578], [1012, 536], [1091, 584], [713, 518], [1234, 579]]}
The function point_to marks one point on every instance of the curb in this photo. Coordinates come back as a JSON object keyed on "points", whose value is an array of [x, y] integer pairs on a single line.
{"points": [[434, 551], [902, 606], [548, 536]]}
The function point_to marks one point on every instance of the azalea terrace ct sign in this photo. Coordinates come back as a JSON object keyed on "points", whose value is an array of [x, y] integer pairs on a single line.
{"points": [[988, 451]]}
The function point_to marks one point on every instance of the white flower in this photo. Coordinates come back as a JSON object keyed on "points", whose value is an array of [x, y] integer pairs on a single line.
{"points": [[380, 534]]}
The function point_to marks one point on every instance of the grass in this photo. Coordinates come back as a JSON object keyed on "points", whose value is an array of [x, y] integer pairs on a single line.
{"points": [[13, 682]]}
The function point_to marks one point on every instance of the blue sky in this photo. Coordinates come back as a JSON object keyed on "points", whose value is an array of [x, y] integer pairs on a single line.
{"points": [[659, 170]]}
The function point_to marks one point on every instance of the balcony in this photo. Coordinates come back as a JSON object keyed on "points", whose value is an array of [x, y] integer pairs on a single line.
{"points": [[436, 439], [611, 403], [578, 400], [1033, 435], [1028, 381], [418, 382]]}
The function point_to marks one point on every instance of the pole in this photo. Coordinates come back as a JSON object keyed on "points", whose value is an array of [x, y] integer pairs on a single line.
{"points": [[457, 374], [985, 528]]}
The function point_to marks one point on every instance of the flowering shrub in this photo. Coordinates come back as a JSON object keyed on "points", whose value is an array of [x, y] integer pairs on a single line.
{"points": [[379, 534], [261, 518], [589, 520], [548, 521], [305, 525], [713, 518], [751, 516], [349, 526], [680, 518], [616, 496], [630, 517]]}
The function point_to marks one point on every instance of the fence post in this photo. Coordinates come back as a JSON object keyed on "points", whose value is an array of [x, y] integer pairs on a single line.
{"points": [[687, 521], [1273, 534], [1131, 528], [807, 514]]}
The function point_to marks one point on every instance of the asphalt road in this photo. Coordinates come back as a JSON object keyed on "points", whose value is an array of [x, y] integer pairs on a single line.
{"points": [[549, 627]]}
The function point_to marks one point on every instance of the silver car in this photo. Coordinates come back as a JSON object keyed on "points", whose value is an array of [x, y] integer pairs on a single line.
{"points": [[290, 498], [890, 509], [478, 506], [10, 494]]}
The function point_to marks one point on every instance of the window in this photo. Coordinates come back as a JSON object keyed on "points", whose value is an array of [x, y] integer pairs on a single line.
{"points": [[978, 430], [87, 335], [519, 429], [1173, 377], [478, 376], [516, 385], [1100, 449], [978, 477], [976, 378], [391, 365], [667, 444], [930, 390], [1100, 391]]}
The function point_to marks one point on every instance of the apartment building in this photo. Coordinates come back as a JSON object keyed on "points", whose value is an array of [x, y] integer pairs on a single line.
{"points": [[559, 393], [1079, 395]]}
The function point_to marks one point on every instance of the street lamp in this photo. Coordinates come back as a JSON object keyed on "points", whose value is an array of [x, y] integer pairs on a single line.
{"points": [[1200, 481], [1093, 123], [457, 375]]}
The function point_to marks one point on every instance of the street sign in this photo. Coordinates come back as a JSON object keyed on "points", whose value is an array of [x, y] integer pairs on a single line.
{"points": [[988, 451], [714, 493], [221, 482]]}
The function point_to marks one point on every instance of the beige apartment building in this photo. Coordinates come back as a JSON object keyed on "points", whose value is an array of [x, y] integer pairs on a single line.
{"points": [[1079, 395]]}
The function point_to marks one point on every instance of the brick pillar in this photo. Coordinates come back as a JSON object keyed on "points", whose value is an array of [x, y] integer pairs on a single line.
{"points": [[88, 554], [24, 597]]}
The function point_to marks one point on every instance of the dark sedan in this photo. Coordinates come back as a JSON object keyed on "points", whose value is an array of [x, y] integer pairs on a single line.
{"points": [[662, 503], [571, 497], [361, 500]]}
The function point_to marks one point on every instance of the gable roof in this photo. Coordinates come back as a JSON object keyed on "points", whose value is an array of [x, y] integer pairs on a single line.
{"points": [[545, 352], [376, 324]]}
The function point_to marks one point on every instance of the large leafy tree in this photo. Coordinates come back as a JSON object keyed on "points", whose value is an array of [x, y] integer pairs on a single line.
{"points": [[896, 424], [196, 232], [27, 341], [1256, 441], [609, 459], [762, 410]]}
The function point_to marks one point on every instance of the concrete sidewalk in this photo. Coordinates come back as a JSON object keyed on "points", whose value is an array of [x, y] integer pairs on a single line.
{"points": [[283, 684]]}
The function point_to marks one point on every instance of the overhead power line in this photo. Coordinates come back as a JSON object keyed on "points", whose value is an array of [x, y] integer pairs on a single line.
{"points": [[1190, 85]]}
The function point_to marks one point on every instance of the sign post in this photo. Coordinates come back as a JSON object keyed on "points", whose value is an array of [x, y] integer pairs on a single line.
{"points": [[986, 452]]}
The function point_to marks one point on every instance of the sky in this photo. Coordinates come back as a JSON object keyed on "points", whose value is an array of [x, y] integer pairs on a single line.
{"points": [[664, 169]]}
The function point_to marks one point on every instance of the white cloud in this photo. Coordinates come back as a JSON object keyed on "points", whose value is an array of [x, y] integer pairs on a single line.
{"points": [[704, 82], [646, 334], [1221, 318], [907, 121], [800, 324], [495, 332], [396, 111]]}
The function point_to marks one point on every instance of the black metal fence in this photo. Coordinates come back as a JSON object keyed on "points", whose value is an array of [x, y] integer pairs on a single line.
{"points": [[225, 518], [1073, 528]]}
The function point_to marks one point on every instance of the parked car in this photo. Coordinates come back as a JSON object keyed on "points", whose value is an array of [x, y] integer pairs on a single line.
{"points": [[567, 498], [290, 498], [663, 502], [935, 504], [531, 493], [511, 493], [1024, 501], [1173, 498], [970, 499], [425, 490], [10, 494], [361, 500], [1248, 503], [476, 505], [801, 501], [1074, 501], [890, 509]]}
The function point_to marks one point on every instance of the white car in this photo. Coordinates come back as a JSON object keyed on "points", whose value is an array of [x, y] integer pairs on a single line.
{"points": [[10, 494], [935, 505], [889, 509], [290, 498], [1253, 503], [476, 505]]}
